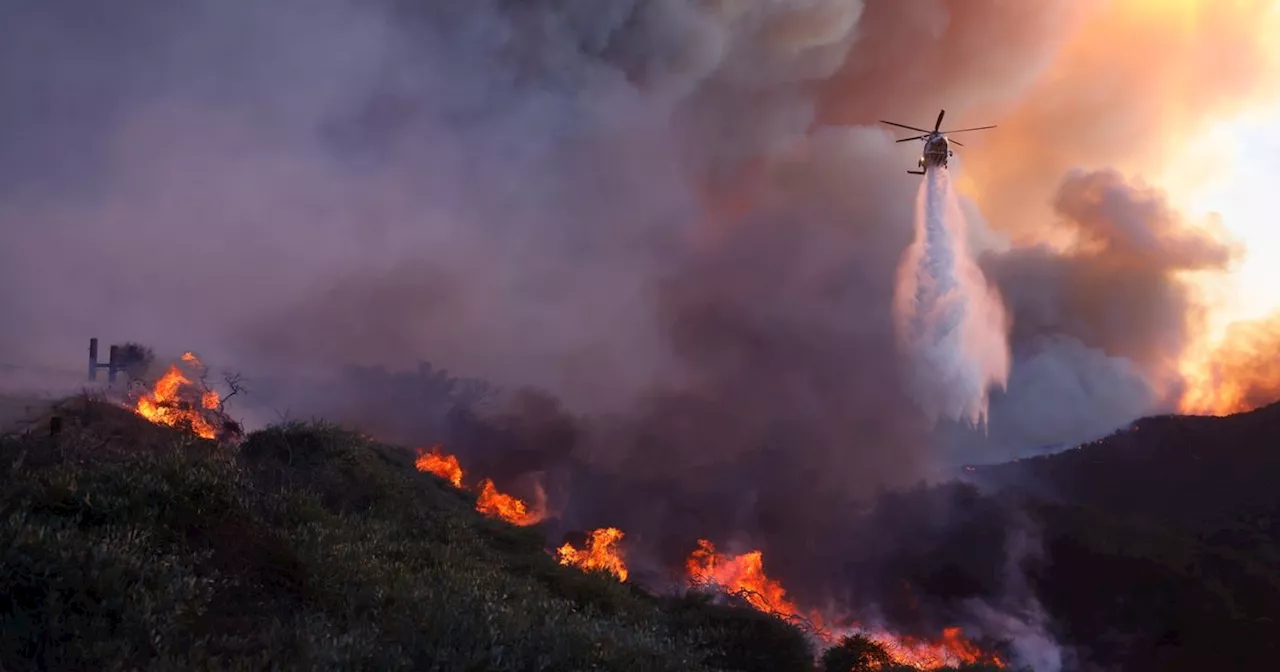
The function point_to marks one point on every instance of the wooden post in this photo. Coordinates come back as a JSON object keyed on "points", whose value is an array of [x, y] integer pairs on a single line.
{"points": [[93, 359], [112, 364]]}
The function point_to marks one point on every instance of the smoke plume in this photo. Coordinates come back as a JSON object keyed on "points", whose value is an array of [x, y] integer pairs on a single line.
{"points": [[672, 217], [951, 325], [1100, 326]]}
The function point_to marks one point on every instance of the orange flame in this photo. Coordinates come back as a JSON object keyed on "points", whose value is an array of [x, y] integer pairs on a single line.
{"points": [[741, 574], [601, 553], [744, 575], [493, 503], [1238, 375], [169, 402], [950, 650], [444, 466], [489, 500]]}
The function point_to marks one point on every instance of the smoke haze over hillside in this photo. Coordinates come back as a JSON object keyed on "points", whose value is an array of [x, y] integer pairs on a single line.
{"points": [[674, 215]]}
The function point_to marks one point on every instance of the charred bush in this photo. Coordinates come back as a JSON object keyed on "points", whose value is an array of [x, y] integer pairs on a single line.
{"points": [[136, 360]]}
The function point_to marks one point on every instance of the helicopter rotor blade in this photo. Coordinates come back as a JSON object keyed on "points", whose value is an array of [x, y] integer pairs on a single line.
{"points": [[914, 137], [955, 142], [938, 124], [909, 128], [963, 130]]}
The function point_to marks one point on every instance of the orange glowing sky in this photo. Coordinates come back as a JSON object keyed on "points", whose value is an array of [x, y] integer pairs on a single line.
{"points": [[1182, 95]]}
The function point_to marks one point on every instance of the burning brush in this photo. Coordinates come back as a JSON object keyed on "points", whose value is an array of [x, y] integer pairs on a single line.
{"points": [[601, 552], [181, 398], [743, 576], [489, 500], [740, 576]]}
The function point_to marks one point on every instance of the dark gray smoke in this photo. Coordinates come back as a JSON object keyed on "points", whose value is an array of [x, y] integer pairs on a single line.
{"points": [[670, 215]]}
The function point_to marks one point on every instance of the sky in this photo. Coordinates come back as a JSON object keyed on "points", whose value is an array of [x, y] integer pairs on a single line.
{"points": [[657, 194], [1225, 178], [1242, 194]]}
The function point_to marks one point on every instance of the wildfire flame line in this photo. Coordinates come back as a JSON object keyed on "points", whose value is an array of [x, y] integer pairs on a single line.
{"points": [[740, 575], [489, 500], [744, 576], [176, 401]]}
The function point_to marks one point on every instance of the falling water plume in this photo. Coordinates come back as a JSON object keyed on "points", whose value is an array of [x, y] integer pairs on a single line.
{"points": [[952, 326]]}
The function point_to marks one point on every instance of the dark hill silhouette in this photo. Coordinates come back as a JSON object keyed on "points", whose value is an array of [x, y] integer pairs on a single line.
{"points": [[1160, 541], [1217, 478]]}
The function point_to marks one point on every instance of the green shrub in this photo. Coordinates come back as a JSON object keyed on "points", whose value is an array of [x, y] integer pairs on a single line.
{"points": [[741, 638], [310, 547]]}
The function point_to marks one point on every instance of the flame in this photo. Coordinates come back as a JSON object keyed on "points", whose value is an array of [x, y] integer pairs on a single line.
{"points": [[601, 553], [744, 575], [739, 574], [170, 401], [950, 650], [489, 500], [444, 466], [1238, 374], [493, 503], [210, 399]]}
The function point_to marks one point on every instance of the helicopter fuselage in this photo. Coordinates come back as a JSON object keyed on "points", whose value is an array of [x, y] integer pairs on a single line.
{"points": [[937, 148], [936, 152]]}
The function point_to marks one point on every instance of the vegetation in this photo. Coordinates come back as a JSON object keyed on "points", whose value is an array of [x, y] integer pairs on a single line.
{"points": [[1162, 546], [128, 545], [858, 653]]}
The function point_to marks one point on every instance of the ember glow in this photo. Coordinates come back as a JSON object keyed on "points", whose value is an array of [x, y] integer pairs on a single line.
{"points": [[601, 552], [176, 401], [489, 500]]}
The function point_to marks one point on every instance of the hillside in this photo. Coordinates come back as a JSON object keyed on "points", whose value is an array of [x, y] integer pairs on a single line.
{"points": [[1211, 477], [128, 545], [1161, 541]]}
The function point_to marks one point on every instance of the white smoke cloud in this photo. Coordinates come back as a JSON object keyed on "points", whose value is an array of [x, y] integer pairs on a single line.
{"points": [[1016, 615]]}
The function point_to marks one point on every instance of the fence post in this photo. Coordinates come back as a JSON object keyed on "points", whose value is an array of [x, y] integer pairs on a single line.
{"points": [[112, 364], [93, 359]]}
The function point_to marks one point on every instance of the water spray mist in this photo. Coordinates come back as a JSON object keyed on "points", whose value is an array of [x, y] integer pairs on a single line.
{"points": [[952, 326]]}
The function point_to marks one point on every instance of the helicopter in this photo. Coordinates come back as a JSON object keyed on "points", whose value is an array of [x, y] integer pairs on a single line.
{"points": [[937, 146]]}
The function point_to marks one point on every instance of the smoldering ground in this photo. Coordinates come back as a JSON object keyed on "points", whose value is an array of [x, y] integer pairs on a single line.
{"points": [[673, 216]]}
